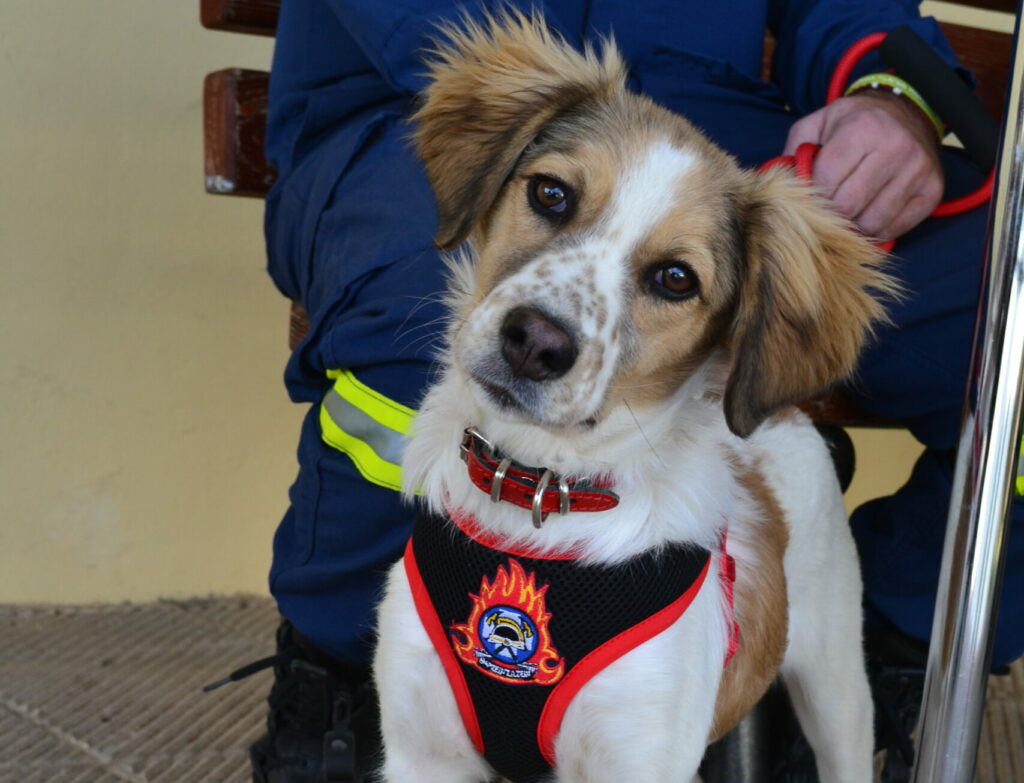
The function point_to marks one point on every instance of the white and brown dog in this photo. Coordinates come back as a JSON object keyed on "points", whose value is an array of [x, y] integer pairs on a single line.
{"points": [[635, 314]]}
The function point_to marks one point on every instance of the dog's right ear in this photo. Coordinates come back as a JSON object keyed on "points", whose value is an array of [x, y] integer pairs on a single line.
{"points": [[813, 291], [493, 87]]}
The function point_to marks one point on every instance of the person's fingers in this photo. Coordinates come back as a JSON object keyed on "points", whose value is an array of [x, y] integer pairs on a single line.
{"points": [[910, 204], [893, 189], [862, 186], [835, 164], [807, 129], [886, 208]]}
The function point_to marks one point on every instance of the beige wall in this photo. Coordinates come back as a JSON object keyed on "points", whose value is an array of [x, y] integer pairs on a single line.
{"points": [[146, 442]]}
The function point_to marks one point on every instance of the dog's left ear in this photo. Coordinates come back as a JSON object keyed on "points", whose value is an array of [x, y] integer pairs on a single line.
{"points": [[809, 297], [493, 86]]}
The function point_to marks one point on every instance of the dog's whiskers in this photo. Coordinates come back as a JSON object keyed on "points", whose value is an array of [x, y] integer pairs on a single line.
{"points": [[643, 434], [432, 333], [402, 332], [423, 302], [617, 386]]}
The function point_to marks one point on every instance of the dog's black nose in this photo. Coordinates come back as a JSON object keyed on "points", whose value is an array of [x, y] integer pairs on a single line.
{"points": [[534, 346]]}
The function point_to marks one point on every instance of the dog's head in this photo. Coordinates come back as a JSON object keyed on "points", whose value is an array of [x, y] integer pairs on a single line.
{"points": [[617, 248]]}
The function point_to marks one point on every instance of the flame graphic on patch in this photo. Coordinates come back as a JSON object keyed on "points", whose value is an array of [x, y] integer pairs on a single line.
{"points": [[506, 635]]}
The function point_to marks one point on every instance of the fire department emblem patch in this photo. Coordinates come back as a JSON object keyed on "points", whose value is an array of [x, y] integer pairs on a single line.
{"points": [[506, 636]]}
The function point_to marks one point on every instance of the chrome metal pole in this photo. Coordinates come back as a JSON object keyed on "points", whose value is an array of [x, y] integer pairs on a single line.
{"points": [[976, 533]]}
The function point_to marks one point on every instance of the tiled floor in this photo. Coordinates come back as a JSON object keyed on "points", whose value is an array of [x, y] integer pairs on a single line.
{"points": [[113, 693]]}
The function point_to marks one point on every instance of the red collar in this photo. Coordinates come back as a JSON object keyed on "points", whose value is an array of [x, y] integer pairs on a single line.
{"points": [[538, 489]]}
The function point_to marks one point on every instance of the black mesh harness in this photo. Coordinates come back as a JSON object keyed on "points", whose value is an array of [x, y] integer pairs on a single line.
{"points": [[519, 635]]}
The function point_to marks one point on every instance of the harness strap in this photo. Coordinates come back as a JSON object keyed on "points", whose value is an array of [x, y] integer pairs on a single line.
{"points": [[727, 578]]}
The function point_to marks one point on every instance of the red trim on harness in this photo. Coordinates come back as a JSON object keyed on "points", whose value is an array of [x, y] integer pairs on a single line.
{"points": [[727, 578], [452, 667], [469, 525], [554, 708]]}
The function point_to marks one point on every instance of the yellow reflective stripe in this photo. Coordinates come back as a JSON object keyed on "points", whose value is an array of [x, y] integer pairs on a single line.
{"points": [[367, 426], [370, 466], [386, 411], [1020, 469]]}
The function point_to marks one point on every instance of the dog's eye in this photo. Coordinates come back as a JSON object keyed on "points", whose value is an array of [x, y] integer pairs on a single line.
{"points": [[550, 198], [673, 280]]}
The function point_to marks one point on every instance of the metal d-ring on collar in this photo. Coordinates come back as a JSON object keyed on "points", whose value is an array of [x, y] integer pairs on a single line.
{"points": [[538, 494], [499, 478], [538, 497]]}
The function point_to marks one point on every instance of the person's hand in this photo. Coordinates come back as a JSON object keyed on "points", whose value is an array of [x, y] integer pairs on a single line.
{"points": [[879, 160]]}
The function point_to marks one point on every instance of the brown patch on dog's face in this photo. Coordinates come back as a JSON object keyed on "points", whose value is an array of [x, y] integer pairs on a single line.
{"points": [[493, 88], [761, 607], [513, 233], [673, 337]]}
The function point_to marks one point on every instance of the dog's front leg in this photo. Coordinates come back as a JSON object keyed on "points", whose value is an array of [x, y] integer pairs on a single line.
{"points": [[824, 665], [647, 716], [424, 739]]}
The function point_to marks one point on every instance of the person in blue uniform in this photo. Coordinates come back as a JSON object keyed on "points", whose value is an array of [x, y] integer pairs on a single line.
{"points": [[350, 225]]}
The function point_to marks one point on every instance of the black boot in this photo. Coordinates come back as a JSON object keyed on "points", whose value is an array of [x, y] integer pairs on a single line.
{"points": [[896, 665], [323, 724], [840, 448], [744, 755]]}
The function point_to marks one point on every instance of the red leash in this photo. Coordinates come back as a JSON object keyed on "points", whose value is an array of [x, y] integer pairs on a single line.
{"points": [[803, 160]]}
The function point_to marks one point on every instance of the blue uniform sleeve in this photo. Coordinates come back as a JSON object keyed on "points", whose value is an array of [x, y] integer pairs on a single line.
{"points": [[395, 35], [811, 36]]}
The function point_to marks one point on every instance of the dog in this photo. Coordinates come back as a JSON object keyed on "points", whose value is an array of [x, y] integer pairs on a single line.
{"points": [[632, 318]]}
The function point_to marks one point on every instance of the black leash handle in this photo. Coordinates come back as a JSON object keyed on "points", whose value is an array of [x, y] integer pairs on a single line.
{"points": [[944, 90]]}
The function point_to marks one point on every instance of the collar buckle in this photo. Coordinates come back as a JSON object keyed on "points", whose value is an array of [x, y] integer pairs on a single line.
{"points": [[468, 436]]}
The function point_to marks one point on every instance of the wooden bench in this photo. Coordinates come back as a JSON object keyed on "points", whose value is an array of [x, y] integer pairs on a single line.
{"points": [[235, 117]]}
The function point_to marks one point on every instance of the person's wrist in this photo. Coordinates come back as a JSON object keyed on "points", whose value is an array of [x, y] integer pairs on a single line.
{"points": [[891, 83], [905, 111]]}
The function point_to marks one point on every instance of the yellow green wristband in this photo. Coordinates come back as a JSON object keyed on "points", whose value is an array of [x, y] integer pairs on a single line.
{"points": [[875, 81]]}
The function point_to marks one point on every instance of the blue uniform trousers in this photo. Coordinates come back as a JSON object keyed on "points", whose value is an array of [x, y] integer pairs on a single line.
{"points": [[365, 268]]}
